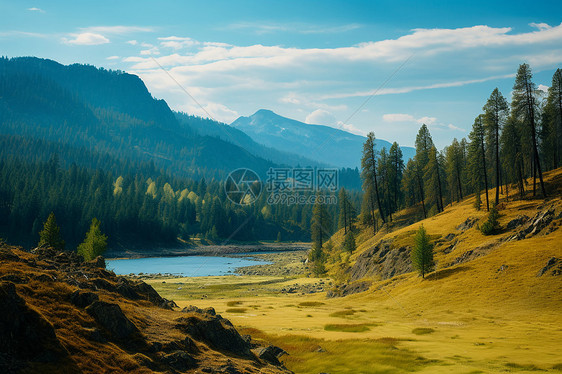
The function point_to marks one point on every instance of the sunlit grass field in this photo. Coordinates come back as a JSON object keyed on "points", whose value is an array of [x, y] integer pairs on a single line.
{"points": [[490, 314]]}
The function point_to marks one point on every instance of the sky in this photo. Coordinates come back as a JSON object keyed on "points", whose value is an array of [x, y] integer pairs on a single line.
{"points": [[382, 66]]}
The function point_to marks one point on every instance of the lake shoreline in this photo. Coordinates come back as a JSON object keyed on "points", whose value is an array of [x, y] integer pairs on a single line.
{"points": [[207, 250]]}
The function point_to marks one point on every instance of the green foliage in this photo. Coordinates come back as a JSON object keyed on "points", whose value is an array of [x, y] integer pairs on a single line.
{"points": [[478, 201], [422, 253], [94, 244], [50, 234], [492, 225], [349, 242]]}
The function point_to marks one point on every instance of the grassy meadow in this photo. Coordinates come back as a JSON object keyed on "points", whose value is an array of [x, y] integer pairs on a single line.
{"points": [[490, 314]]}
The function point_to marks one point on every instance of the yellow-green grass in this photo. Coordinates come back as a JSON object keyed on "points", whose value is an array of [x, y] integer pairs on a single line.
{"points": [[490, 314]]}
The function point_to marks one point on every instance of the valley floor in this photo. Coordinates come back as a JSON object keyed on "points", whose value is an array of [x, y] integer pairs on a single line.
{"points": [[495, 312], [378, 332]]}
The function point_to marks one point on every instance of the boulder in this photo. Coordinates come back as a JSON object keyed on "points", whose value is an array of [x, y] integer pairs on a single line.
{"points": [[25, 335], [469, 223], [216, 332], [552, 267], [98, 262], [349, 289], [517, 222], [179, 360], [82, 299], [111, 317], [382, 261], [270, 354]]}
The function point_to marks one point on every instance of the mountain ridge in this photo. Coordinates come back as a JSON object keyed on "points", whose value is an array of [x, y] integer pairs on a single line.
{"points": [[321, 143]]}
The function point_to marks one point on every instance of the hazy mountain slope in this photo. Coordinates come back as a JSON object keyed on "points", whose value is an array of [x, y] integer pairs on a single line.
{"points": [[108, 111], [322, 143], [208, 127]]}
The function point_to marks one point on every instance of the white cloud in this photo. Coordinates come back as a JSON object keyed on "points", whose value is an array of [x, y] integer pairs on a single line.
{"points": [[218, 112], [86, 38], [408, 89], [540, 26], [426, 120], [132, 42], [176, 42], [401, 117], [453, 127], [398, 117], [112, 58], [34, 9], [350, 128], [543, 88], [298, 28], [321, 117], [116, 30], [151, 51]]}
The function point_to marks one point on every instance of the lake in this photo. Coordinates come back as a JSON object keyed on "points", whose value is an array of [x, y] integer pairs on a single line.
{"points": [[185, 266]]}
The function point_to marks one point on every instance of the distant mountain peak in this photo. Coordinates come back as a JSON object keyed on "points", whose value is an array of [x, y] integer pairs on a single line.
{"points": [[324, 144]]}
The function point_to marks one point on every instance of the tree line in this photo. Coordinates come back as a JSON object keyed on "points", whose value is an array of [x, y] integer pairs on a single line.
{"points": [[508, 143]]}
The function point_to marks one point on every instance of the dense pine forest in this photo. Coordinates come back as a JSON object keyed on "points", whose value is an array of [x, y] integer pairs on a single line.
{"points": [[142, 208]]}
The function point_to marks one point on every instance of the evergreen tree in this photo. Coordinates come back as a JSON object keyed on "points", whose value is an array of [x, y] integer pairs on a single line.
{"points": [[319, 227], [349, 242], [553, 121], [512, 154], [422, 253], [524, 104], [433, 180], [344, 214], [424, 143], [50, 234], [495, 113], [94, 244], [396, 170], [369, 175], [477, 157]]}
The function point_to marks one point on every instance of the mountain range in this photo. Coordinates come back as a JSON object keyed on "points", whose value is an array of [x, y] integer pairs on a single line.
{"points": [[113, 113], [320, 143]]}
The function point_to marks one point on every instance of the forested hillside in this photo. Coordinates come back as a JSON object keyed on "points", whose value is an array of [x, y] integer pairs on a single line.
{"points": [[111, 112]]}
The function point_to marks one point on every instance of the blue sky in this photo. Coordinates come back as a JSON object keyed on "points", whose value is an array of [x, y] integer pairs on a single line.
{"points": [[382, 66]]}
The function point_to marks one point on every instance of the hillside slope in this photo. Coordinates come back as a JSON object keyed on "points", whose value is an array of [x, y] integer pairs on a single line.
{"points": [[111, 112], [60, 315], [525, 255]]}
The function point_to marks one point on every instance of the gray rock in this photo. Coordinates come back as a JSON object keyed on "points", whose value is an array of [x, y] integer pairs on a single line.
{"points": [[25, 335], [270, 354], [111, 317], [83, 298], [179, 360], [554, 266]]}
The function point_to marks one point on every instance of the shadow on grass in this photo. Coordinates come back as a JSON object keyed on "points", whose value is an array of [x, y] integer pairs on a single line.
{"points": [[444, 273]]}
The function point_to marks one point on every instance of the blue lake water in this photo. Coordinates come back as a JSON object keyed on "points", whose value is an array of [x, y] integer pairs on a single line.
{"points": [[186, 266]]}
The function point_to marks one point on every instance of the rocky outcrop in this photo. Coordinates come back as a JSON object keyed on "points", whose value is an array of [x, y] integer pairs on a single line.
{"points": [[25, 336], [216, 332], [270, 354], [348, 289], [78, 306], [552, 267], [381, 261], [111, 317], [535, 225], [468, 224]]}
